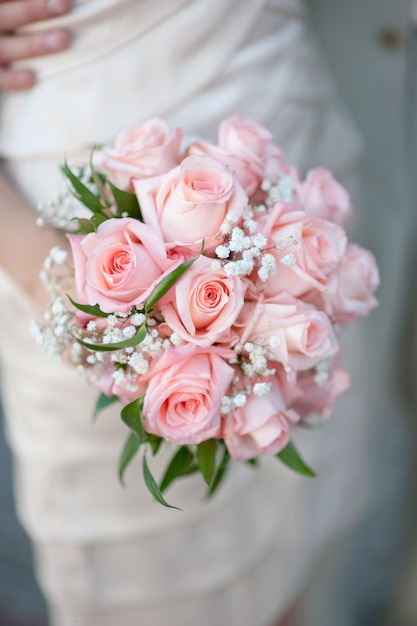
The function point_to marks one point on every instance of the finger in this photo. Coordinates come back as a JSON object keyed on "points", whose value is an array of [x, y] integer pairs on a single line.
{"points": [[16, 80], [16, 47], [21, 12]]}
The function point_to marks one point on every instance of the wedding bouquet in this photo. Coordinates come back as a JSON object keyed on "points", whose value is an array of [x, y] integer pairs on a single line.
{"points": [[211, 286]]}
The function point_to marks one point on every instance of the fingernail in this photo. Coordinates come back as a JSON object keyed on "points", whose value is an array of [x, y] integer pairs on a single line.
{"points": [[57, 7], [56, 40]]}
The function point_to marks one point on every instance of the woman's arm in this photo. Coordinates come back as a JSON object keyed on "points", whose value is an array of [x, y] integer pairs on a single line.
{"points": [[24, 245], [15, 46]]}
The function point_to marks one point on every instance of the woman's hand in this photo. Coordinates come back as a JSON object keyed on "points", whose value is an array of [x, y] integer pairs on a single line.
{"points": [[15, 46]]}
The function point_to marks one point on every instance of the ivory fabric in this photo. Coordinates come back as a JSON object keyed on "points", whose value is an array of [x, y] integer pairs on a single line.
{"points": [[107, 555]]}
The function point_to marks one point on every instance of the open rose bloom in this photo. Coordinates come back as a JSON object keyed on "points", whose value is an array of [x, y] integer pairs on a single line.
{"points": [[210, 289]]}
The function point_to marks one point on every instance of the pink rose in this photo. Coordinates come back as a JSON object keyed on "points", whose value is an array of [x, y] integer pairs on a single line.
{"points": [[247, 173], [206, 304], [118, 266], [191, 202], [141, 152], [319, 397], [324, 197], [253, 143], [307, 251], [358, 280], [261, 426], [295, 334], [186, 386]]}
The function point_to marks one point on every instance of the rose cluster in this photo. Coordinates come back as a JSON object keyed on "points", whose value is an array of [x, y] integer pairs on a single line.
{"points": [[220, 301]]}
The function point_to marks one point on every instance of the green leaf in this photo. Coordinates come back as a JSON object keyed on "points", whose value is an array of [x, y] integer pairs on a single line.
{"points": [[109, 347], [206, 456], [219, 473], [166, 283], [153, 486], [98, 179], [81, 192], [129, 451], [97, 219], [88, 308], [253, 462], [84, 226], [154, 442], [291, 457], [132, 416], [103, 401], [180, 465], [126, 202]]}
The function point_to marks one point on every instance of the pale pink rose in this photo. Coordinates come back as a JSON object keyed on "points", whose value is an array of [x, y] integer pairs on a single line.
{"points": [[253, 143], [358, 280], [324, 197], [319, 397], [307, 250], [118, 266], [248, 174], [261, 427], [295, 334], [183, 400], [206, 304], [191, 202], [141, 152]]}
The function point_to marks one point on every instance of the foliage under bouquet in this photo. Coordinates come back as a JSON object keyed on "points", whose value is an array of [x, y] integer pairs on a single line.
{"points": [[211, 285]]}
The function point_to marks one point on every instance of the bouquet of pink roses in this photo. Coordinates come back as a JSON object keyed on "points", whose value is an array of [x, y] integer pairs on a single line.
{"points": [[211, 284]]}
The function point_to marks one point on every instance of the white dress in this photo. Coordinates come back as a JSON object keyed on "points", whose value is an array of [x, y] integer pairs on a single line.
{"points": [[105, 555]]}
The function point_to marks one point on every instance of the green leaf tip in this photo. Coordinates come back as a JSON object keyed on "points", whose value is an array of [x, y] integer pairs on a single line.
{"points": [[153, 486], [181, 464], [166, 283], [128, 453], [291, 457], [110, 347], [81, 191], [131, 415], [103, 402], [88, 308], [206, 456]]}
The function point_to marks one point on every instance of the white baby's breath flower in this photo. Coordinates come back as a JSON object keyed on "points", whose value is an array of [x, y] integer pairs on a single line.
{"points": [[274, 342], [91, 326], [250, 225], [225, 228], [239, 400], [129, 332], [259, 240], [137, 319], [231, 269], [57, 306], [175, 339], [226, 405], [58, 255], [288, 259], [112, 320], [222, 252], [261, 389], [138, 363], [285, 189], [118, 376]]}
